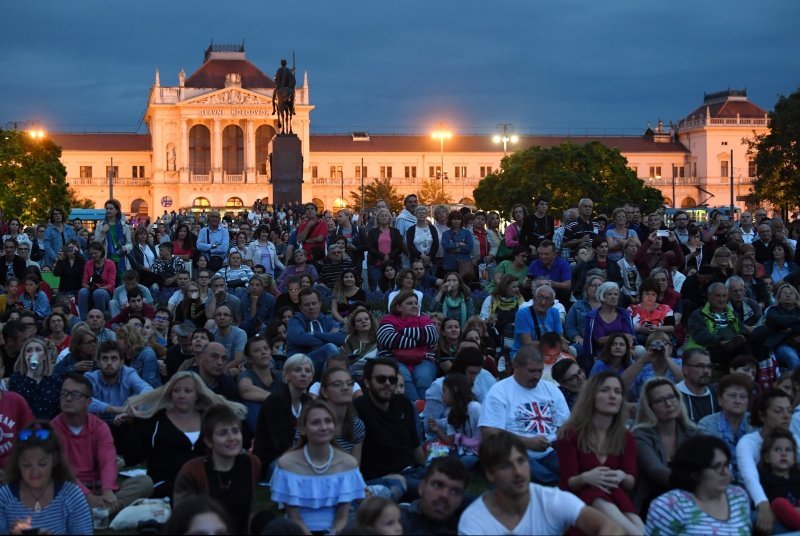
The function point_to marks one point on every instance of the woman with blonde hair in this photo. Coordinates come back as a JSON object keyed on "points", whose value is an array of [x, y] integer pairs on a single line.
{"points": [[137, 355], [661, 427], [384, 246], [32, 378], [596, 453], [722, 260], [166, 430]]}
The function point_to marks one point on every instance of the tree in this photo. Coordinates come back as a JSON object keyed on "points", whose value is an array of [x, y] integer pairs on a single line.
{"points": [[432, 193], [778, 155], [564, 175], [375, 191], [33, 178]]}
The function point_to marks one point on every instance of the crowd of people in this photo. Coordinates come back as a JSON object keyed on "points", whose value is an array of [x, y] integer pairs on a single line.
{"points": [[421, 372]]}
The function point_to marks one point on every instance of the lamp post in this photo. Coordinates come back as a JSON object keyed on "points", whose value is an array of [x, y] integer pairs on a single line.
{"points": [[505, 137], [732, 207], [442, 135]]}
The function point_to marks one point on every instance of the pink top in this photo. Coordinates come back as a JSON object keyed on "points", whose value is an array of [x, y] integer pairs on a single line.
{"points": [[109, 275], [385, 242], [512, 235]]}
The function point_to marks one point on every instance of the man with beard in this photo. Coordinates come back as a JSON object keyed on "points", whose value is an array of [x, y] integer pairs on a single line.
{"points": [[392, 444], [696, 395], [441, 494], [517, 506]]}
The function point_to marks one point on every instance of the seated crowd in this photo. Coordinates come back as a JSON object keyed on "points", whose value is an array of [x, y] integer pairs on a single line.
{"points": [[605, 376]]}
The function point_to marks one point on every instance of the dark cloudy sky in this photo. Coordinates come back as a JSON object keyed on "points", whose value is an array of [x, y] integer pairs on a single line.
{"points": [[557, 66]]}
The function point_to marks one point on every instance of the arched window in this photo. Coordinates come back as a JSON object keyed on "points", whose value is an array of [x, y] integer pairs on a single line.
{"points": [[688, 202], [201, 202], [467, 201], [668, 201], [319, 204], [234, 202], [139, 206], [264, 135], [200, 150], [233, 150]]}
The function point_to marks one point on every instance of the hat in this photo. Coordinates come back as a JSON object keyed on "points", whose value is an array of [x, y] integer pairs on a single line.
{"points": [[185, 329]]}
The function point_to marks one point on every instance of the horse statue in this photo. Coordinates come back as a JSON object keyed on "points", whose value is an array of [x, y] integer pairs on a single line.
{"points": [[283, 107]]}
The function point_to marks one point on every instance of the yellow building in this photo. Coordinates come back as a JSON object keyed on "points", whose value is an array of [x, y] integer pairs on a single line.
{"points": [[210, 139]]}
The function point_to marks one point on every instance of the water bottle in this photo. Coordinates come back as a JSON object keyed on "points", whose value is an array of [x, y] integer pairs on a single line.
{"points": [[34, 362]]}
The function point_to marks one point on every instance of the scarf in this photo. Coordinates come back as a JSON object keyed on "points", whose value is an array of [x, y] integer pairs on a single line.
{"points": [[506, 303], [452, 303]]}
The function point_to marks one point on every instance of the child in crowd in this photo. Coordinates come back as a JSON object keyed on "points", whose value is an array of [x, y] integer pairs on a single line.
{"points": [[780, 476]]}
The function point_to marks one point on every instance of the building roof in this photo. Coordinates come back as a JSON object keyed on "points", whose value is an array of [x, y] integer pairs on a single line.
{"points": [[102, 141], [390, 143], [729, 103], [212, 74]]}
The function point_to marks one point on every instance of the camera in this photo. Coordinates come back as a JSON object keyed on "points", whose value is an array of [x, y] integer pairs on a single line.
{"points": [[662, 233], [657, 346]]}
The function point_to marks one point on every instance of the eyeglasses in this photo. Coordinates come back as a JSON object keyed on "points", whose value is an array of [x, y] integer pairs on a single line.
{"points": [[383, 379], [664, 400], [41, 434], [342, 384], [293, 290], [162, 318], [574, 376], [721, 467], [75, 395], [705, 366]]}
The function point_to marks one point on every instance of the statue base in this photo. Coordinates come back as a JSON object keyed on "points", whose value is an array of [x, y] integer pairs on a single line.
{"points": [[287, 169]]}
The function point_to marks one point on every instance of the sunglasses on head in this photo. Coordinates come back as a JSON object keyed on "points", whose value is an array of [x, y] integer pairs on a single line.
{"points": [[383, 379], [41, 434]]}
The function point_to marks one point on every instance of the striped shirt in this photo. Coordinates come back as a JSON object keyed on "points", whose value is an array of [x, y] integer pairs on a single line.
{"points": [[68, 513]]}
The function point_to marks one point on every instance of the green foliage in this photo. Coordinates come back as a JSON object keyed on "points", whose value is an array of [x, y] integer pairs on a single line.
{"points": [[33, 178], [565, 174], [375, 191], [778, 155], [432, 193]]}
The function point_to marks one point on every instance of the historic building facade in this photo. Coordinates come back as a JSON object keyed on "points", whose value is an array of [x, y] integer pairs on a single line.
{"points": [[210, 139]]}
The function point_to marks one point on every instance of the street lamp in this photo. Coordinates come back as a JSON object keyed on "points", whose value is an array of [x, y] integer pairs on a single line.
{"points": [[36, 134], [442, 135], [505, 137]]}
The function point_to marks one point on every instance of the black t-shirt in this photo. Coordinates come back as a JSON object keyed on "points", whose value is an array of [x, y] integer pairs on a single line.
{"points": [[391, 436], [234, 491], [175, 357]]}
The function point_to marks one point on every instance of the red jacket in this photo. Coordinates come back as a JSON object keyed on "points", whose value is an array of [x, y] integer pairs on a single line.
{"points": [[109, 275], [91, 454], [15, 415]]}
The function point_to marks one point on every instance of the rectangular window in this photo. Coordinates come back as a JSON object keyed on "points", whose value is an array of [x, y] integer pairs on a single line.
{"points": [[461, 172], [336, 172], [137, 172], [678, 171], [386, 172], [751, 167], [694, 169], [635, 170], [411, 172], [486, 170], [723, 168], [116, 171], [655, 172], [431, 172], [314, 172], [86, 172]]}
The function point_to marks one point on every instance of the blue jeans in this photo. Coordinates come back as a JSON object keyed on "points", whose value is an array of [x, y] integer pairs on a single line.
{"points": [[787, 357], [423, 376], [320, 356], [544, 470], [100, 299], [374, 275]]}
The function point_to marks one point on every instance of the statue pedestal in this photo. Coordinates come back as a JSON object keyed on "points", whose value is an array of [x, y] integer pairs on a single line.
{"points": [[287, 169]]}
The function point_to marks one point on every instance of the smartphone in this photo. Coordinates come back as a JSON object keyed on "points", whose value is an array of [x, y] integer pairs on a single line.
{"points": [[662, 233], [724, 218]]}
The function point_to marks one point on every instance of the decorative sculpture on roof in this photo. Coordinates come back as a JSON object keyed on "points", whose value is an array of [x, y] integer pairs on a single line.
{"points": [[283, 98]]}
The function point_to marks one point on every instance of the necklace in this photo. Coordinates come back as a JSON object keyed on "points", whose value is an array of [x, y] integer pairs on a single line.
{"points": [[319, 469], [37, 506], [227, 485]]}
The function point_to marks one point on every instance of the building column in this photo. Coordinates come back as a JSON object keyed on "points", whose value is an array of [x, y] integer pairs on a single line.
{"points": [[183, 163], [250, 151], [216, 151]]}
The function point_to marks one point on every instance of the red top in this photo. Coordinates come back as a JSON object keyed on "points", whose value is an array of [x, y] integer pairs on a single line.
{"points": [[321, 229], [15, 415], [177, 249], [109, 275]]}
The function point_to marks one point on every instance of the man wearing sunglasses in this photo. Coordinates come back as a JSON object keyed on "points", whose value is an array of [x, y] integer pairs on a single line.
{"points": [[392, 444], [89, 449]]}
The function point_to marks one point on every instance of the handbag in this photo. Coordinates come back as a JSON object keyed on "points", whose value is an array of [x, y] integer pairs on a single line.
{"points": [[141, 510], [504, 252]]}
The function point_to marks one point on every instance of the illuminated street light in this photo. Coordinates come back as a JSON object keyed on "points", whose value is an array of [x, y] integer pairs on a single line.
{"points": [[442, 135], [505, 137]]}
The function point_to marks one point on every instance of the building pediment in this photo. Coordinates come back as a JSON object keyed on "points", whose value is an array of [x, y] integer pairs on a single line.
{"points": [[229, 96]]}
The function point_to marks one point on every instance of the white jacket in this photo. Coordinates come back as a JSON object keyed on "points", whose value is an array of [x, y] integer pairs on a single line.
{"points": [[254, 254]]}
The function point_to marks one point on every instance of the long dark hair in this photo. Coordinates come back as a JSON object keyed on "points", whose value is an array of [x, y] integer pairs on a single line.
{"points": [[461, 390], [188, 242], [42, 436]]}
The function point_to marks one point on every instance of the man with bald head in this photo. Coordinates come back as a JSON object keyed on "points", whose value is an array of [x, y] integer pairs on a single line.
{"points": [[96, 321], [766, 241], [211, 367]]}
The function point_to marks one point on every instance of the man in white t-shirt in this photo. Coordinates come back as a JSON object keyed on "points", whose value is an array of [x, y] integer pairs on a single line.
{"points": [[531, 409], [516, 506]]}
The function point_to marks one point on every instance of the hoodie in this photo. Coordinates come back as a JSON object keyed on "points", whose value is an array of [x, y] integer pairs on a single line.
{"points": [[698, 406]]}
